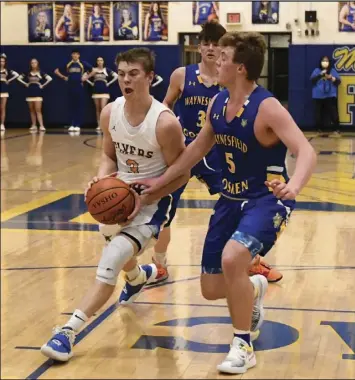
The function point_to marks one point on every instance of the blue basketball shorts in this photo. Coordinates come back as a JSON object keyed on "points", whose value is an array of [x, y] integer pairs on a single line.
{"points": [[254, 223]]}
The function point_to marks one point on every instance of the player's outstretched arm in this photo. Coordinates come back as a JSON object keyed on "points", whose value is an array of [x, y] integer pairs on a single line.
{"points": [[189, 157], [176, 83], [171, 140], [281, 122]]}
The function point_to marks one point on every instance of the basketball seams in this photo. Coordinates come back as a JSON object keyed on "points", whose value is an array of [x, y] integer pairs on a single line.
{"points": [[110, 188], [109, 198]]}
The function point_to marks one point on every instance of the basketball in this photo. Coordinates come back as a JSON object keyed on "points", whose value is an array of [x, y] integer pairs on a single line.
{"points": [[110, 201], [62, 35], [106, 32]]}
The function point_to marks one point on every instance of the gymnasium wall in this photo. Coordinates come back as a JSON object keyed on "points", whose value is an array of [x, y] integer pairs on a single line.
{"points": [[55, 110], [14, 21], [303, 59], [304, 55]]}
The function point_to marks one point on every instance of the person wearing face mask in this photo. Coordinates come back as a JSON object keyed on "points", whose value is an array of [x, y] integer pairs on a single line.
{"points": [[325, 82]]}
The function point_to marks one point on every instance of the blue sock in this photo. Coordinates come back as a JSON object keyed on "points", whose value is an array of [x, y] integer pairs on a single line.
{"points": [[242, 335]]}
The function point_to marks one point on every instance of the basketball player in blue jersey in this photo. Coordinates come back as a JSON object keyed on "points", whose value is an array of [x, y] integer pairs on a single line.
{"points": [[252, 132], [204, 11], [347, 17], [96, 25], [154, 23], [69, 23], [75, 73], [191, 89]]}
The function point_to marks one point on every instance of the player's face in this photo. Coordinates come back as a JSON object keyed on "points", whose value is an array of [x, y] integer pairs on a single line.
{"points": [[100, 62], [133, 80], [228, 71], [155, 7], [2, 63], [97, 9], [125, 14], [41, 17], [210, 51], [34, 64], [75, 56]]}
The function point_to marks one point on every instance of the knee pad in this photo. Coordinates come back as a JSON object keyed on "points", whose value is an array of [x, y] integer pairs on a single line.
{"points": [[141, 235], [108, 232], [114, 256]]}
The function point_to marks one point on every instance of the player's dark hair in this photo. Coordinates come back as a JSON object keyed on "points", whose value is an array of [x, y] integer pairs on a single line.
{"points": [[75, 51], [249, 49], [144, 56], [211, 31]]}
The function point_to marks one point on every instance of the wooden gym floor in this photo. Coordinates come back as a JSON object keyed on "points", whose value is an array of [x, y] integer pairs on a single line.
{"points": [[49, 252]]}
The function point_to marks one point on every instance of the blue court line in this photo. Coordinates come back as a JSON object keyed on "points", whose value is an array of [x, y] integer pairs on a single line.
{"points": [[48, 363], [225, 306], [281, 267]]}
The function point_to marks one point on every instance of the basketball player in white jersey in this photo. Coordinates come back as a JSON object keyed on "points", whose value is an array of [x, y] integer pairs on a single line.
{"points": [[141, 139]]}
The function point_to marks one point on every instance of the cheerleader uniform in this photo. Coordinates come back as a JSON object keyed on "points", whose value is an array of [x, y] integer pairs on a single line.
{"points": [[100, 83], [68, 27], [34, 81], [6, 76]]}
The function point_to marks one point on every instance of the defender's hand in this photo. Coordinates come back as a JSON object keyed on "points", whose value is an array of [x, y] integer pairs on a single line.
{"points": [[282, 190]]}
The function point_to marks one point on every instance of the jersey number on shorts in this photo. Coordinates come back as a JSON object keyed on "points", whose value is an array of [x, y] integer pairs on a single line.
{"points": [[230, 162], [201, 119]]}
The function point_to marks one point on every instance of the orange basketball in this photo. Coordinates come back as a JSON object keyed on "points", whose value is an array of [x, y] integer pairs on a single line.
{"points": [[106, 32], [62, 34], [110, 201]]}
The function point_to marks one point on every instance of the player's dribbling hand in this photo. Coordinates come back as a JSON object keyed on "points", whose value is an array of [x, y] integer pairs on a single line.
{"points": [[88, 187], [137, 207], [281, 190], [97, 179]]}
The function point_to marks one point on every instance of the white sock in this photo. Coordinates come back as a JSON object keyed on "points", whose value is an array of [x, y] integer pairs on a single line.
{"points": [[240, 332], [77, 320], [160, 258], [133, 274]]}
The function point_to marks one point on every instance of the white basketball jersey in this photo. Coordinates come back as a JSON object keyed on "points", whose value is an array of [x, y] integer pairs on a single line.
{"points": [[138, 153]]}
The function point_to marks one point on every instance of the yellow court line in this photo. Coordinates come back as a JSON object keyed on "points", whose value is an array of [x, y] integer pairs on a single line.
{"points": [[18, 210]]}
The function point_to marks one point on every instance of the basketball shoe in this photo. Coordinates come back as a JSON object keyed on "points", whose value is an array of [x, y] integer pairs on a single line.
{"points": [[60, 346], [133, 288], [259, 266]]}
